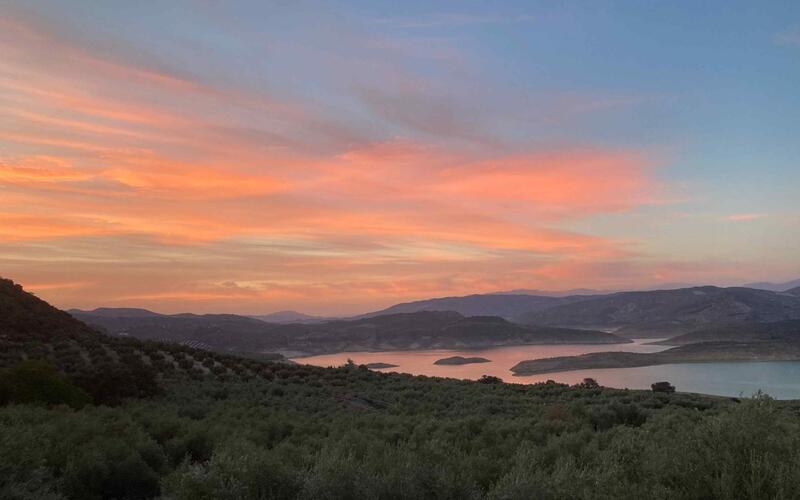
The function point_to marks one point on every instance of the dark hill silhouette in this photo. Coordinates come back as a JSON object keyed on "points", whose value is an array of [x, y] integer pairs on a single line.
{"points": [[24, 314], [117, 312]]}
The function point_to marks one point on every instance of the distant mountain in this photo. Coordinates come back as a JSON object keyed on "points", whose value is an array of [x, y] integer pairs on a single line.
{"points": [[117, 312], [424, 329], [432, 330], [779, 331], [225, 332], [289, 317], [552, 293], [774, 287], [794, 291], [592, 291], [670, 312], [506, 306], [132, 312]]}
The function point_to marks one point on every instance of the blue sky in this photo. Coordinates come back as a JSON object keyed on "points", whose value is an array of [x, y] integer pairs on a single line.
{"points": [[338, 156]]}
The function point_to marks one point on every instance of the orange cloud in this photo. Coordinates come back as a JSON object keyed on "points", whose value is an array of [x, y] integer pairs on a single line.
{"points": [[179, 186], [567, 181]]}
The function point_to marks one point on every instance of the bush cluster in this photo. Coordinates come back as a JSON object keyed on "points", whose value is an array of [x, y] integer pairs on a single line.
{"points": [[306, 432]]}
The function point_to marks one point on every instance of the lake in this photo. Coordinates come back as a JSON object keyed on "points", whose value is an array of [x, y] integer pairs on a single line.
{"points": [[779, 379]]}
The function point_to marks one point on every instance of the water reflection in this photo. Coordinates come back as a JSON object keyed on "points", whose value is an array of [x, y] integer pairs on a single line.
{"points": [[779, 379]]}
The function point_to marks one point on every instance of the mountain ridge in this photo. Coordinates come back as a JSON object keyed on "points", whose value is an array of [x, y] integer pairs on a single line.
{"points": [[505, 306], [670, 312]]}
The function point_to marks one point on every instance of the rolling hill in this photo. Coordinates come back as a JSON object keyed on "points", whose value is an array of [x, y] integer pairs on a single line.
{"points": [[420, 330], [435, 330], [670, 312], [223, 332], [506, 306], [109, 369]]}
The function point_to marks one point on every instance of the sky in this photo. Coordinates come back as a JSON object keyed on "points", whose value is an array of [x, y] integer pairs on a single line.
{"points": [[338, 157]]}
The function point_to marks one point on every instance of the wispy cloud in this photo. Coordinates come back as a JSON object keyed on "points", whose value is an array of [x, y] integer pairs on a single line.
{"points": [[743, 217], [180, 182], [454, 20], [790, 37]]}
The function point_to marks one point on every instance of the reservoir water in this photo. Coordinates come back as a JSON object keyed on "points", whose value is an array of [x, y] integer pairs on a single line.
{"points": [[780, 380]]}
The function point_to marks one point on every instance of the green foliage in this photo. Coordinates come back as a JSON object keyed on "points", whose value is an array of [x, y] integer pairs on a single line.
{"points": [[238, 469], [319, 433], [39, 383], [95, 453], [109, 384]]}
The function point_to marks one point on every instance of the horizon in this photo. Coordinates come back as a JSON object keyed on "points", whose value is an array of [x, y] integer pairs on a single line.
{"points": [[549, 293], [335, 159]]}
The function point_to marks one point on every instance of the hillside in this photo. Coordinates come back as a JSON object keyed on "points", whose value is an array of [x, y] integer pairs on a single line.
{"points": [[22, 313], [166, 421], [421, 330], [670, 312], [707, 352], [779, 331], [506, 306], [107, 368]]}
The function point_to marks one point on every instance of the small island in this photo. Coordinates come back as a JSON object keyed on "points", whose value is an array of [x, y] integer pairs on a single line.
{"points": [[460, 360], [379, 366]]}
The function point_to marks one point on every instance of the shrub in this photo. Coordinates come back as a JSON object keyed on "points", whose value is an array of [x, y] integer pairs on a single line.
{"points": [[489, 379], [589, 383], [39, 382], [664, 387], [237, 470]]}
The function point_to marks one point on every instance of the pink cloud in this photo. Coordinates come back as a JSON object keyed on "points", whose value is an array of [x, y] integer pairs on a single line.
{"points": [[742, 217], [176, 186]]}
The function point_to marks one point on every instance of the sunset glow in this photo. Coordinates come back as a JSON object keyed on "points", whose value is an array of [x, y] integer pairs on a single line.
{"points": [[338, 160]]}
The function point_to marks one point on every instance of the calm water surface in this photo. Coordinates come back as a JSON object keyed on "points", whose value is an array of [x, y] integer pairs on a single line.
{"points": [[778, 379]]}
